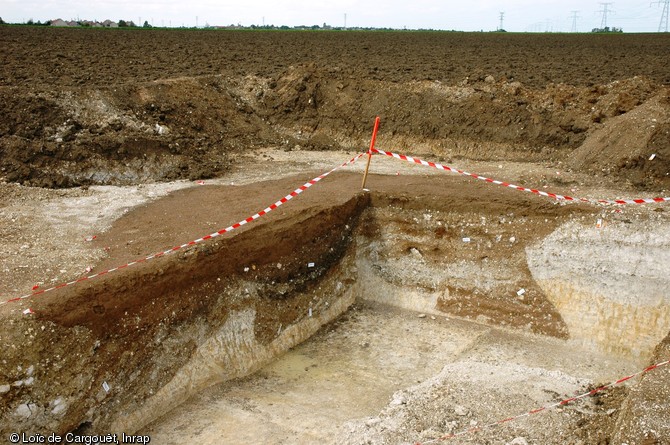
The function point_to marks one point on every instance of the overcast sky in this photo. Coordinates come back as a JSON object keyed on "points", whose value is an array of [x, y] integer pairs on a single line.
{"points": [[469, 15]]}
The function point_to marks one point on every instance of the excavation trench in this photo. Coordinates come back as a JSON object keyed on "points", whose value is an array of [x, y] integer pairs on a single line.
{"points": [[118, 352]]}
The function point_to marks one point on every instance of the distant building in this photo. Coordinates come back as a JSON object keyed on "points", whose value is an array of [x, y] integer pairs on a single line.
{"points": [[91, 23], [59, 22]]}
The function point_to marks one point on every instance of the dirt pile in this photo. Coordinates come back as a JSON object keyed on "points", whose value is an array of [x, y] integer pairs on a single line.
{"points": [[123, 136], [633, 145], [193, 128]]}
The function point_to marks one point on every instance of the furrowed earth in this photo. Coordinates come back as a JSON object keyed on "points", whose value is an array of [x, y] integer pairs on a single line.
{"points": [[429, 305]]}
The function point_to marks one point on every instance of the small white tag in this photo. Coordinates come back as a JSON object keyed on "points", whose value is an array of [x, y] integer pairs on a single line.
{"points": [[105, 386]]}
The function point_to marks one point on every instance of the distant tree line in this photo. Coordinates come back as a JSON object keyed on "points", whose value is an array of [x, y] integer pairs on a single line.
{"points": [[31, 22], [129, 24], [146, 24]]}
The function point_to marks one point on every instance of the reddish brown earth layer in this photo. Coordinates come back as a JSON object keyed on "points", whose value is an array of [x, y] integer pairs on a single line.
{"points": [[99, 331]]}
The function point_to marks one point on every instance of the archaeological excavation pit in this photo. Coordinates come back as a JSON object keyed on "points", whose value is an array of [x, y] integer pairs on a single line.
{"points": [[428, 305], [434, 304]]}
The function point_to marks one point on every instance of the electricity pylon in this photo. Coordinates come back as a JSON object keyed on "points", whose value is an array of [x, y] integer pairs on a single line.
{"points": [[663, 24], [574, 16], [605, 11]]}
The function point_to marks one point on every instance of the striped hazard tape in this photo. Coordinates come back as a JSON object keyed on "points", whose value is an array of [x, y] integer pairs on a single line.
{"points": [[237, 225], [517, 187], [544, 408]]}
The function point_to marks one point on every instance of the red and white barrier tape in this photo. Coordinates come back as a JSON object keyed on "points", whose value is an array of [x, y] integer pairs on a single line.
{"points": [[545, 408], [304, 187], [517, 187], [254, 217]]}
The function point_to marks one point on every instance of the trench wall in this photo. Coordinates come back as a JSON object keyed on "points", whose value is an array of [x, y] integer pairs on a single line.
{"points": [[611, 284], [122, 350], [222, 310]]}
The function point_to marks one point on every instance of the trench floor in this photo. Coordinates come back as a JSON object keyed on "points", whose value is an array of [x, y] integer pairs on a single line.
{"points": [[346, 374]]}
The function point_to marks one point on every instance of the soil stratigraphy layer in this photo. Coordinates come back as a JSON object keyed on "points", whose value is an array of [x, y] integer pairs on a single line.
{"points": [[133, 329]]}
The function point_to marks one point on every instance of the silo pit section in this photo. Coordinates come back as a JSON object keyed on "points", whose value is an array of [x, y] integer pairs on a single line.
{"points": [[480, 264]]}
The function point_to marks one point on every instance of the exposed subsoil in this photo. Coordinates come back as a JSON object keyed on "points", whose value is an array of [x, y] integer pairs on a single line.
{"points": [[174, 303], [103, 133]]}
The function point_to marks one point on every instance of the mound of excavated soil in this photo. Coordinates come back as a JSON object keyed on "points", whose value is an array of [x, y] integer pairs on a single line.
{"points": [[634, 145], [176, 104]]}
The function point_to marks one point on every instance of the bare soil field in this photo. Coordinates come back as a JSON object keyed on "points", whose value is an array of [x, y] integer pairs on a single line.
{"points": [[429, 304], [95, 107]]}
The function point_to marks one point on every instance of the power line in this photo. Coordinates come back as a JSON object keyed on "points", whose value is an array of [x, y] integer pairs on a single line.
{"points": [[664, 15], [605, 11], [574, 17]]}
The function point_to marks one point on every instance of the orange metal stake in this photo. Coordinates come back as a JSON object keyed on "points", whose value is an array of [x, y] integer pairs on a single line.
{"points": [[372, 145]]}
